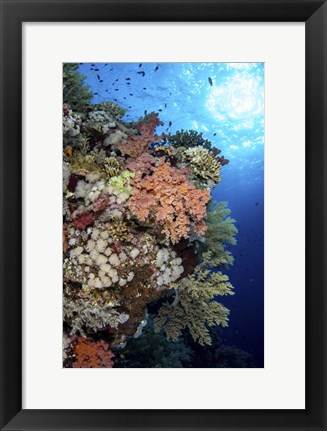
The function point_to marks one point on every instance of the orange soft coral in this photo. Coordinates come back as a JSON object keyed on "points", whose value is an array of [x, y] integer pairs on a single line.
{"points": [[139, 144], [171, 199], [90, 354]]}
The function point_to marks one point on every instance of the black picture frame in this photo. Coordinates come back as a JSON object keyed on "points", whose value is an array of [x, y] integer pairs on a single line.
{"points": [[13, 14]]}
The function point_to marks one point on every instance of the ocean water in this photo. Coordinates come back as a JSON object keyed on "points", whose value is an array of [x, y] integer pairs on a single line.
{"points": [[224, 101]]}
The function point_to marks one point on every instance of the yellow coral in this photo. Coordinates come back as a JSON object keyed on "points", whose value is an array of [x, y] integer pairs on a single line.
{"points": [[111, 166]]}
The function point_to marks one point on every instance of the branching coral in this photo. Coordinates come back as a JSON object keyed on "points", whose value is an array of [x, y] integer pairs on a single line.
{"points": [[111, 166], [88, 315], [195, 307], [168, 196], [90, 354], [203, 164]]}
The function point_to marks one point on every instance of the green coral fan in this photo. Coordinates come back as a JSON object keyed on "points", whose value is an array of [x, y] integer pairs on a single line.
{"points": [[194, 306], [221, 230], [75, 92]]}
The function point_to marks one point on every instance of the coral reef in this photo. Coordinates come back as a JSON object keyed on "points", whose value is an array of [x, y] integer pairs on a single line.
{"points": [[137, 233]]}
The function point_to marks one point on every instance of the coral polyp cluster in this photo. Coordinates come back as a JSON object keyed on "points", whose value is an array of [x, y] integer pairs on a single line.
{"points": [[137, 234]]}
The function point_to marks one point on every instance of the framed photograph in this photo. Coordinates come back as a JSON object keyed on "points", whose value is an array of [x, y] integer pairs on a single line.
{"points": [[163, 215]]}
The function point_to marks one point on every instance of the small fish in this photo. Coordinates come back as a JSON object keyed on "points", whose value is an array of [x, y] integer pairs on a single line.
{"points": [[117, 80], [210, 81], [156, 68], [141, 73], [129, 107], [96, 93], [127, 79], [92, 65], [98, 77], [140, 65], [107, 90], [116, 89], [214, 134], [160, 110], [165, 105], [256, 204], [170, 123], [145, 112], [101, 80], [128, 83], [131, 94], [106, 64], [144, 88], [111, 69], [125, 98]]}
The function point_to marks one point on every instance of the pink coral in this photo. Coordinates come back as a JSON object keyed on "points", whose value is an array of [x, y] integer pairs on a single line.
{"points": [[102, 203], [90, 354], [171, 199], [139, 144], [83, 220], [144, 163]]}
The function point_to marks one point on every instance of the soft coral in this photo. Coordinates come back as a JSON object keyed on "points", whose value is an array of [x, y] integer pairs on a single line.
{"points": [[174, 202]]}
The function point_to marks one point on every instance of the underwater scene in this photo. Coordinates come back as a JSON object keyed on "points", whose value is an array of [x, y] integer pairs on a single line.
{"points": [[163, 215]]}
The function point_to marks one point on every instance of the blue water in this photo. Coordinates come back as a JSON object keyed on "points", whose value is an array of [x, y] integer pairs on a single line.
{"points": [[230, 113]]}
